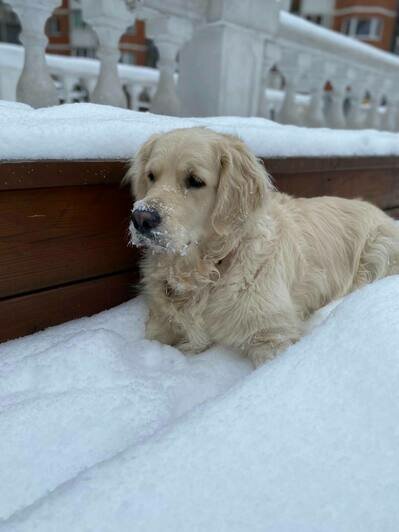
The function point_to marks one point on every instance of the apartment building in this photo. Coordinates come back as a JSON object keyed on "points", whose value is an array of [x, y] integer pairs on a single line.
{"points": [[375, 22]]}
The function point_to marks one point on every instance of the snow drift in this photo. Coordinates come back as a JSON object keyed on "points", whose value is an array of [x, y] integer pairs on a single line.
{"points": [[89, 131], [103, 430]]}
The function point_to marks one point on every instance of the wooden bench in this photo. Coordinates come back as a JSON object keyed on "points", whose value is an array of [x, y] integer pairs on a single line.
{"points": [[63, 230]]}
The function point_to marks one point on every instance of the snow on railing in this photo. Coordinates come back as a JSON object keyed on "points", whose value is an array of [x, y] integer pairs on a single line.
{"points": [[76, 77], [247, 58]]}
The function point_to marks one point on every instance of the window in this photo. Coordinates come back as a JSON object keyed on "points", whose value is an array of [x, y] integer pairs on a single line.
{"points": [[84, 52], [127, 57], [77, 19], [296, 6], [363, 28], [53, 26]]}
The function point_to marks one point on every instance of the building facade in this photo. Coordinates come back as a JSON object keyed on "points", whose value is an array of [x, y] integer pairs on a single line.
{"points": [[367, 20], [375, 22]]}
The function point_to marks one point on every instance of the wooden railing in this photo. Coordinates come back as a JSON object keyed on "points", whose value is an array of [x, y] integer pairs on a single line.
{"points": [[63, 230]]}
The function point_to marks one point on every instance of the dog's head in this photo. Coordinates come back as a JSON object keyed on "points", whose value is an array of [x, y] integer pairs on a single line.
{"points": [[190, 184]]}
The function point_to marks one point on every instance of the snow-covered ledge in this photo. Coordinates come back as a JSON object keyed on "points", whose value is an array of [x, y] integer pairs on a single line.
{"points": [[89, 131]]}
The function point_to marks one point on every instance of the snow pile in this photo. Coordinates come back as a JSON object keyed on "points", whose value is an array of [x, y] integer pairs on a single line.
{"points": [[89, 131], [105, 431]]}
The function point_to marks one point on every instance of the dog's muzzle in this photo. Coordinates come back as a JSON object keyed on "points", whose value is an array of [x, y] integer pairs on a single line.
{"points": [[145, 221]]}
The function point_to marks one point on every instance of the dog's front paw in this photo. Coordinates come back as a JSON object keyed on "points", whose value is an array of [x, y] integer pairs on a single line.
{"points": [[267, 352], [188, 348]]}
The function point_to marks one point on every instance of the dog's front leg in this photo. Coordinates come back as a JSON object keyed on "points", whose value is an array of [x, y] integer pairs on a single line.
{"points": [[161, 329], [196, 339], [267, 343]]}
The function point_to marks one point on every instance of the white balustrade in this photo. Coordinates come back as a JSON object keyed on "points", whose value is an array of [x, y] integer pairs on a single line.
{"points": [[169, 34], [357, 90], [109, 19], [394, 124], [373, 118], [71, 71], [68, 84], [335, 112], [386, 121], [343, 55], [134, 92], [223, 51], [89, 82], [314, 115], [35, 86], [293, 66], [271, 56]]}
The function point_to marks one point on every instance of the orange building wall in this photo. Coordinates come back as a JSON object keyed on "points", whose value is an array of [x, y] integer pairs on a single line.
{"points": [[389, 22], [60, 44], [138, 39]]}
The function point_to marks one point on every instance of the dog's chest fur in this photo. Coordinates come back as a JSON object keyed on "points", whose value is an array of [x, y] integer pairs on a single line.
{"points": [[203, 309]]}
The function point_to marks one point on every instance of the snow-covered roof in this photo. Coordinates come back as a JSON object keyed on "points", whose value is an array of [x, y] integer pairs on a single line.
{"points": [[89, 131]]}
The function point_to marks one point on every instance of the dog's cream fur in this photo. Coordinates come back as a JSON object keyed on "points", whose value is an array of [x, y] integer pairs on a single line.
{"points": [[238, 263]]}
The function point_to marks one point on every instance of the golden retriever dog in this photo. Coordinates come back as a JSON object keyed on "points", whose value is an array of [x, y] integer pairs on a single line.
{"points": [[229, 259]]}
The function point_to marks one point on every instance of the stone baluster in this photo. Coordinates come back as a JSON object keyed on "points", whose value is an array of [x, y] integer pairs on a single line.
{"points": [[294, 64], [355, 117], [134, 90], [169, 33], [314, 116], [151, 91], [386, 122], [89, 83], [395, 108], [109, 19], [335, 113], [68, 84], [271, 56], [373, 119], [35, 86]]}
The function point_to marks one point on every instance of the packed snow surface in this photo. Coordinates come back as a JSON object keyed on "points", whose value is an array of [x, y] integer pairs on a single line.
{"points": [[104, 431], [89, 131]]}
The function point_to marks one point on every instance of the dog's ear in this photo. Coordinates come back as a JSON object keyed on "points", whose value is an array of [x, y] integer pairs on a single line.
{"points": [[243, 184], [135, 176]]}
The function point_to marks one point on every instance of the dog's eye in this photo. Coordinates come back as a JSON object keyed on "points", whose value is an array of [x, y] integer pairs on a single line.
{"points": [[151, 176], [193, 181]]}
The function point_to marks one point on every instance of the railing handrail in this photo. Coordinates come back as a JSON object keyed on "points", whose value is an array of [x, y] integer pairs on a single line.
{"points": [[302, 32], [78, 66]]}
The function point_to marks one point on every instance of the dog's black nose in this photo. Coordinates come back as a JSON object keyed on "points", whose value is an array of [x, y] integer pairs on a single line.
{"points": [[145, 220]]}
